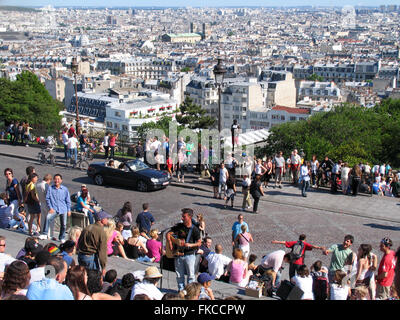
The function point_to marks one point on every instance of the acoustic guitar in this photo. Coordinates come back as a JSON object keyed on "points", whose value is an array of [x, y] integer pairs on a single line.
{"points": [[174, 246]]}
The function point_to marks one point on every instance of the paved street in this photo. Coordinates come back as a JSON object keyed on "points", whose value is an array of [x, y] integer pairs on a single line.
{"points": [[284, 214]]}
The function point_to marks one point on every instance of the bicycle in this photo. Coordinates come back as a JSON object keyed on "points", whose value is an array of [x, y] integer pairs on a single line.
{"points": [[82, 162], [51, 158]]}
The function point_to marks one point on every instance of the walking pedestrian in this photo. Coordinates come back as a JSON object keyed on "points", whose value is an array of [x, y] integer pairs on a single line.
{"points": [[14, 196], [106, 144], [305, 177], [42, 187], [33, 203], [355, 179], [256, 191], [112, 143], [246, 204], [223, 177], [279, 168]]}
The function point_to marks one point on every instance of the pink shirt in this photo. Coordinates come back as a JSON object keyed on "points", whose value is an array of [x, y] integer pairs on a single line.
{"points": [[111, 142], [110, 242], [242, 239], [153, 246], [237, 271]]}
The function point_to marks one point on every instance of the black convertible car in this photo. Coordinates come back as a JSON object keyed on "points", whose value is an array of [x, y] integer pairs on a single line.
{"points": [[132, 173]]}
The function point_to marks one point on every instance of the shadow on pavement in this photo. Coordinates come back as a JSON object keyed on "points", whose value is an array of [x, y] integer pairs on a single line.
{"points": [[380, 226]]}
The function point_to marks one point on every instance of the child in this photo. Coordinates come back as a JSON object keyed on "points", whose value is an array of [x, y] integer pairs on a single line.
{"points": [[206, 292], [67, 250], [109, 280], [252, 266]]}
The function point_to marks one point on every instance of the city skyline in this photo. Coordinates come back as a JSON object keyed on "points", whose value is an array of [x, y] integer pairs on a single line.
{"points": [[194, 3]]}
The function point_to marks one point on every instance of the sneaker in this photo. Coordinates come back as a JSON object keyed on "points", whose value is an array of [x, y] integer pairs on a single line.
{"points": [[62, 241], [249, 207], [43, 237], [280, 186]]}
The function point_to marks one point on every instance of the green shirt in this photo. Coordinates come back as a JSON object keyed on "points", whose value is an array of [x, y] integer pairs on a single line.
{"points": [[339, 257]]}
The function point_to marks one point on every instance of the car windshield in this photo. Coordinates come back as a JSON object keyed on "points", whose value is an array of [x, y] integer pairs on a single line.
{"points": [[137, 165]]}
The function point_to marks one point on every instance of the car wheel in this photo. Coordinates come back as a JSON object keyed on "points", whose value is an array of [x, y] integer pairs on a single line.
{"points": [[98, 179], [142, 186]]}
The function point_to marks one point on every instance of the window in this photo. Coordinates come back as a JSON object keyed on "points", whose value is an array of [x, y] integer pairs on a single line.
{"points": [[124, 127], [117, 114], [282, 117], [109, 124], [275, 117], [292, 118], [116, 126]]}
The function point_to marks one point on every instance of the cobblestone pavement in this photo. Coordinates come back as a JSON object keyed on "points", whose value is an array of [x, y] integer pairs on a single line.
{"points": [[283, 214]]}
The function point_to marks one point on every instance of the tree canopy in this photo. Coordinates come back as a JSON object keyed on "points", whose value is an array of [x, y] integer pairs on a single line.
{"points": [[350, 133], [194, 116], [26, 99]]}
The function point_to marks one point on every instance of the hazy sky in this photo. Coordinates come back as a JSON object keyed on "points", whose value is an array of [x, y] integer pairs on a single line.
{"points": [[194, 3]]}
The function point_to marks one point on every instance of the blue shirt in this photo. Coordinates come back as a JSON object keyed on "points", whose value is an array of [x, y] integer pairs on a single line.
{"points": [[12, 192], [48, 289], [79, 206], [144, 221], [58, 199], [237, 228], [67, 258]]}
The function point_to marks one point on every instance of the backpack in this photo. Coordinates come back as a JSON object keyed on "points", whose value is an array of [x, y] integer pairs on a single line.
{"points": [[320, 287], [297, 251]]}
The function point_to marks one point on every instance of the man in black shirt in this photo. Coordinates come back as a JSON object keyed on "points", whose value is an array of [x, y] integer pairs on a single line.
{"points": [[186, 262]]}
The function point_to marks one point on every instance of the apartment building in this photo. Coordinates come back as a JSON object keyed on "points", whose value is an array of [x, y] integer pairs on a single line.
{"points": [[139, 68]]}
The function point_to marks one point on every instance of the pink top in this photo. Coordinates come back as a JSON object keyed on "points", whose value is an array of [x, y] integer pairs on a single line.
{"points": [[153, 247], [110, 242], [237, 271], [111, 142], [242, 239]]}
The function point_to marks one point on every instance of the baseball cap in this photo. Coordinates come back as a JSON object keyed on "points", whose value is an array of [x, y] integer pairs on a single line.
{"points": [[204, 277], [53, 250], [387, 242], [152, 272], [102, 215], [33, 247], [83, 186]]}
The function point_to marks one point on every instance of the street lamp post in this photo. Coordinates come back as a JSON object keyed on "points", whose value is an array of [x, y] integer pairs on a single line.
{"points": [[74, 68], [219, 72]]}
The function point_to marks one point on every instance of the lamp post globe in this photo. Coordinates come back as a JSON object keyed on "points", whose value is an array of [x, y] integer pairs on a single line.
{"points": [[219, 73]]}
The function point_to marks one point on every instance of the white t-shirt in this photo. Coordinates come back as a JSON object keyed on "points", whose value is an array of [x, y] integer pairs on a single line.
{"points": [[273, 260], [339, 292], [65, 138], [37, 274], [148, 289], [295, 159], [72, 143], [222, 175], [345, 173], [314, 165], [382, 169], [306, 285], [280, 162], [367, 168], [155, 145], [105, 141], [304, 173], [5, 259], [41, 189], [217, 263]]}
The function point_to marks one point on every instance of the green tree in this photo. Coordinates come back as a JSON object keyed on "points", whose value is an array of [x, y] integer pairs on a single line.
{"points": [[349, 133], [315, 77], [193, 116], [26, 99]]}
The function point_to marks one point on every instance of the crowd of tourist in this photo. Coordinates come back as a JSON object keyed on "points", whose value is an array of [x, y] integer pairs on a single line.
{"points": [[79, 263]]}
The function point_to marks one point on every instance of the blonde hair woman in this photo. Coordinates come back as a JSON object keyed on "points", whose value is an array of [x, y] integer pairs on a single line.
{"points": [[74, 234], [114, 240], [134, 247], [154, 246]]}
